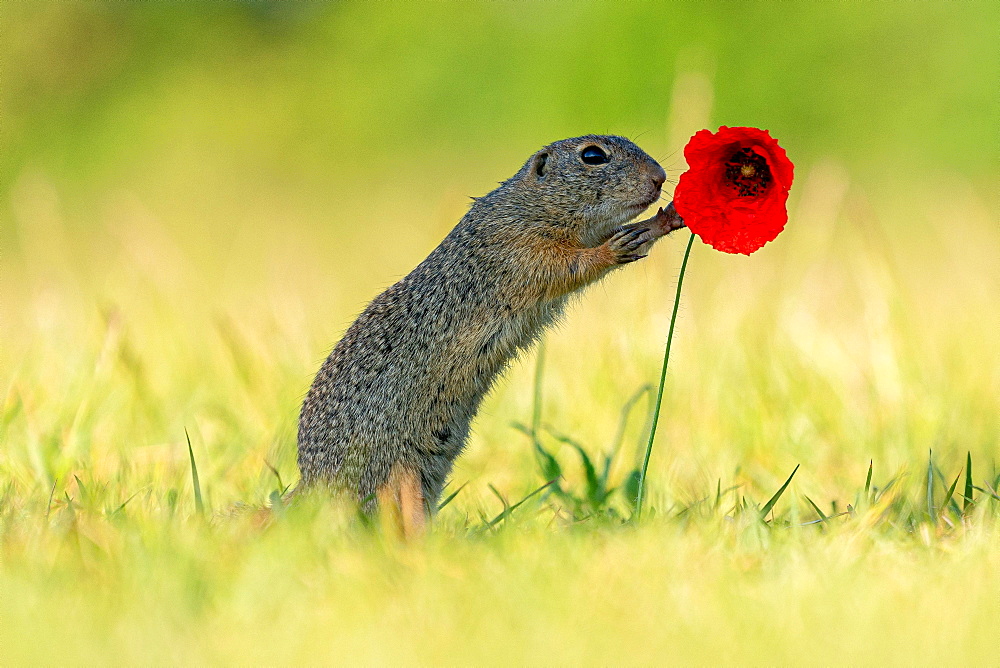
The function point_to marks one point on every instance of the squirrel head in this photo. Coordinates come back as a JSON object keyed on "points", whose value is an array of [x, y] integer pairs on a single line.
{"points": [[590, 185]]}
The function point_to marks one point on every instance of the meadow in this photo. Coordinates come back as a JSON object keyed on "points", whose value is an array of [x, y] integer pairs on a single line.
{"points": [[196, 200]]}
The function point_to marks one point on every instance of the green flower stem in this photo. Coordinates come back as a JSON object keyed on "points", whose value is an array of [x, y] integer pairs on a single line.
{"points": [[663, 376]]}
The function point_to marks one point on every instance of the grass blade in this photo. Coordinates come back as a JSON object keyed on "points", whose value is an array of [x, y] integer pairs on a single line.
{"points": [[882, 492], [868, 481], [281, 484], [686, 509], [452, 496], [951, 490], [523, 428], [122, 507], [48, 508], [508, 510], [496, 493], [968, 502], [822, 515], [84, 494], [626, 412], [987, 489], [199, 503], [930, 486], [777, 495]]}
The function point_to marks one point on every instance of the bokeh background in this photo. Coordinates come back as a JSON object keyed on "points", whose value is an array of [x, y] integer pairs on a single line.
{"points": [[197, 198]]}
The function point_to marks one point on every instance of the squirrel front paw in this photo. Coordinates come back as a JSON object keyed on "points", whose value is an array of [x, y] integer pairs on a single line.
{"points": [[626, 243], [664, 222], [632, 242]]}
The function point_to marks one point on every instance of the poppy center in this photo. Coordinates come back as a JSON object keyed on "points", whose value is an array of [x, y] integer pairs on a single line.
{"points": [[748, 173]]}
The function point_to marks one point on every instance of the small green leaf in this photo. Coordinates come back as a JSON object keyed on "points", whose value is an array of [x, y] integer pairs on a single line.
{"points": [[594, 487], [172, 500], [630, 488], [549, 464]]}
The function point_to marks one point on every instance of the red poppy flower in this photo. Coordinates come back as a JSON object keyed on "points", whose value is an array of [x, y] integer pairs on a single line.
{"points": [[733, 195]]}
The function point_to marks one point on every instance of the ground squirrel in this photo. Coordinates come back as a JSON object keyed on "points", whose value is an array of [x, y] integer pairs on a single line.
{"points": [[390, 409]]}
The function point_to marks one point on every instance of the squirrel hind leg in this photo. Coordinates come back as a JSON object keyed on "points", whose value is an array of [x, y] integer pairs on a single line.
{"points": [[401, 503]]}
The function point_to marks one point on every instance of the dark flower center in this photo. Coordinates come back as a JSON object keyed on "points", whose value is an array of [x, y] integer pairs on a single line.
{"points": [[748, 173]]}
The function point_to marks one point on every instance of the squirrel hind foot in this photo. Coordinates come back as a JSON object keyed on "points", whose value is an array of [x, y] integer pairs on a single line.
{"points": [[401, 503]]}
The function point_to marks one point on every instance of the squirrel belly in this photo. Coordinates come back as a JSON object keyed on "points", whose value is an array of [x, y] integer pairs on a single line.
{"points": [[391, 407]]}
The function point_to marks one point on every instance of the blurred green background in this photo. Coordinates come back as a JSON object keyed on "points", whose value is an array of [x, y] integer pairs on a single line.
{"points": [[220, 187], [193, 104]]}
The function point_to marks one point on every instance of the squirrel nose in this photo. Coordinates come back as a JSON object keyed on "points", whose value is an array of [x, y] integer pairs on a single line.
{"points": [[657, 175]]}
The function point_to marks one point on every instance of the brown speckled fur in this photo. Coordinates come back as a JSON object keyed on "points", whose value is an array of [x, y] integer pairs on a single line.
{"points": [[399, 391]]}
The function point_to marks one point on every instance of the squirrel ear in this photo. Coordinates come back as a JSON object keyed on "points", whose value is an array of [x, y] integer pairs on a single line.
{"points": [[538, 164]]}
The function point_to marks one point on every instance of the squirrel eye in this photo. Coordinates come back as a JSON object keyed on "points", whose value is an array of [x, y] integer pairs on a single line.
{"points": [[594, 155]]}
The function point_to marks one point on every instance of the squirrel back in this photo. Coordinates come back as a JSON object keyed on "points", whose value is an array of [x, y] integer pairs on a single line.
{"points": [[391, 408]]}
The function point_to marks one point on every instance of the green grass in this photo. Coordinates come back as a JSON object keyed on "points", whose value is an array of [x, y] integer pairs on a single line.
{"points": [[189, 218], [872, 552]]}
